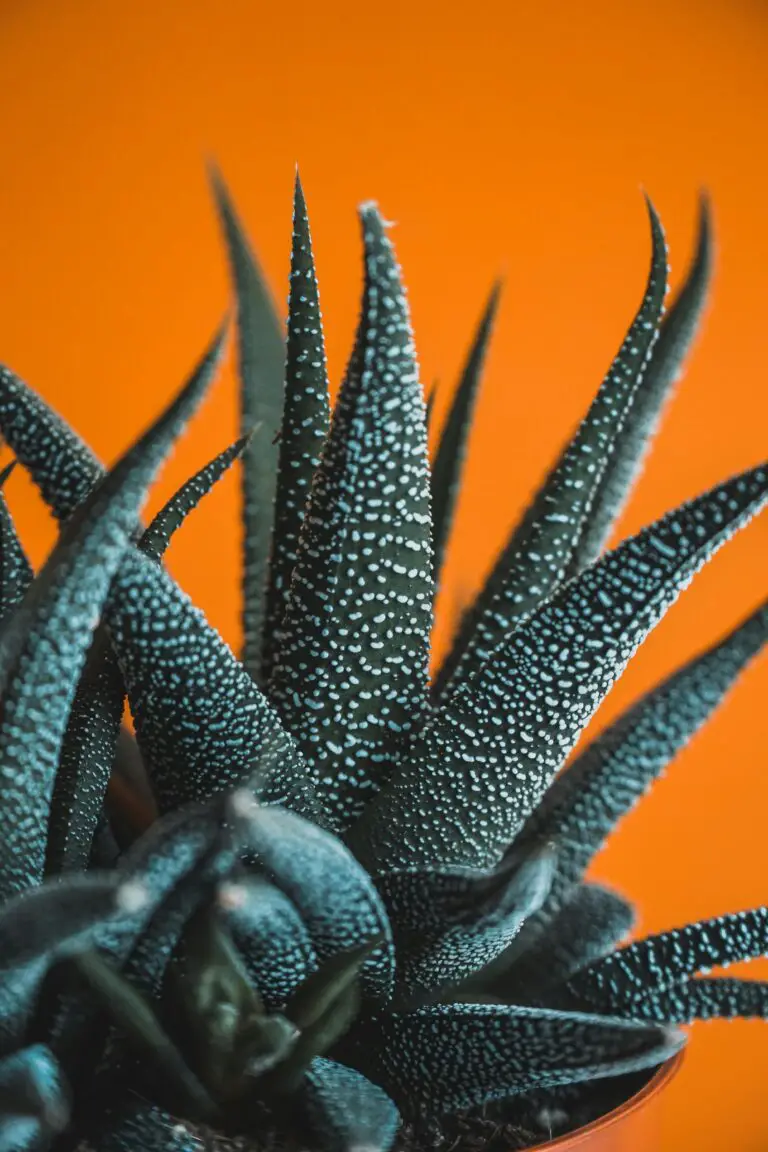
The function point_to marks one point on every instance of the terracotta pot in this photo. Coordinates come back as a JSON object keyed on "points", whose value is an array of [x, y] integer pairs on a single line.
{"points": [[635, 1126]]}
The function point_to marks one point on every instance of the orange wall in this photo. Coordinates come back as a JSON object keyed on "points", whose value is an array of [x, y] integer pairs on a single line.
{"points": [[501, 136]]}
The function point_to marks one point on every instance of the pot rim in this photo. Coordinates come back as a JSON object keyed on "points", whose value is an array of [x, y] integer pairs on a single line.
{"points": [[666, 1072]]}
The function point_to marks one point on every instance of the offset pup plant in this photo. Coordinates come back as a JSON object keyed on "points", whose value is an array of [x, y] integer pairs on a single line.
{"points": [[322, 902]]}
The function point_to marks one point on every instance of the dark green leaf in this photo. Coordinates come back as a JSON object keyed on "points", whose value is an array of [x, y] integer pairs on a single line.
{"points": [[15, 570], [658, 963], [44, 645], [61, 465], [352, 670], [202, 723], [334, 895], [706, 999], [484, 759], [590, 923], [448, 464], [305, 423], [455, 1056], [678, 331], [261, 348], [271, 937], [539, 551], [586, 801], [156, 538]]}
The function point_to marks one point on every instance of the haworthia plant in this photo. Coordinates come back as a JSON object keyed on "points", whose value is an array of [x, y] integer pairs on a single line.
{"points": [[316, 902]]}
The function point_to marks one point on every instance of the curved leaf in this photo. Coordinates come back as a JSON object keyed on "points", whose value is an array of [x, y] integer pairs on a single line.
{"points": [[44, 645], [677, 333], [335, 897], [157, 536], [60, 463], [271, 937], [448, 464], [481, 763], [585, 802], [539, 552], [647, 967], [261, 354], [704, 999]]}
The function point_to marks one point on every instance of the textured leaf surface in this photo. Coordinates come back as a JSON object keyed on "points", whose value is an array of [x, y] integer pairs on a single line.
{"points": [[61, 465], [590, 923], [34, 1104], [90, 743], [334, 895], [653, 965], [271, 937], [705, 999], [44, 646], [449, 459], [454, 1056], [482, 762], [586, 801], [539, 552], [305, 422], [15, 570], [157, 536], [202, 724], [352, 671], [448, 926], [345, 1112], [678, 331], [261, 355]]}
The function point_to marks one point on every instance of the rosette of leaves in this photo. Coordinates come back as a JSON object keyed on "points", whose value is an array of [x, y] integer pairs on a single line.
{"points": [[322, 901]]}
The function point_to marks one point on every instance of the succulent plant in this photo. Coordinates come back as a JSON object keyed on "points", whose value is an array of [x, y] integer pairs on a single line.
{"points": [[323, 900]]}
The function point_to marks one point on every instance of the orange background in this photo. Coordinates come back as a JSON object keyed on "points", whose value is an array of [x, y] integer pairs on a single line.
{"points": [[501, 136]]}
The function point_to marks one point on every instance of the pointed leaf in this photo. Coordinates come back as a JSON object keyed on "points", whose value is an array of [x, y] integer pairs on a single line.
{"points": [[642, 969], [61, 465], [157, 536], [448, 465], [202, 723], [15, 570], [586, 801], [678, 331], [335, 897], [34, 1104], [305, 423], [44, 646], [481, 763], [455, 1056], [261, 354], [538, 554], [344, 1112], [352, 670]]}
